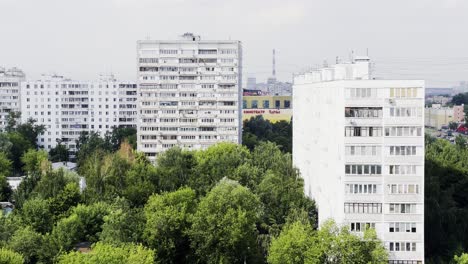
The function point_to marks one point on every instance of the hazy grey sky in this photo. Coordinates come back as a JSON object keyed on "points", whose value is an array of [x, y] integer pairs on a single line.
{"points": [[413, 39]]}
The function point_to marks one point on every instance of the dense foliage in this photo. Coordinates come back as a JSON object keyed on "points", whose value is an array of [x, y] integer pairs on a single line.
{"points": [[257, 129], [446, 197], [15, 141], [298, 243], [225, 204]]}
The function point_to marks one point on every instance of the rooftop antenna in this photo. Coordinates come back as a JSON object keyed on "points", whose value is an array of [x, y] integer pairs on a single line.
{"points": [[274, 64], [367, 52]]}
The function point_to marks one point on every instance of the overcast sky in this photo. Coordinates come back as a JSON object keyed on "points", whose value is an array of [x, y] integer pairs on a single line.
{"points": [[411, 39]]}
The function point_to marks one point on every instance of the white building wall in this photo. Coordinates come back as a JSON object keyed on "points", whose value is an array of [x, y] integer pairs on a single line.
{"points": [[322, 153], [10, 80], [189, 93], [67, 108]]}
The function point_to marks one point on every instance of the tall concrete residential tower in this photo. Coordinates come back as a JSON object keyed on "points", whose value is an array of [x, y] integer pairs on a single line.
{"points": [[188, 94], [359, 145], [10, 80]]}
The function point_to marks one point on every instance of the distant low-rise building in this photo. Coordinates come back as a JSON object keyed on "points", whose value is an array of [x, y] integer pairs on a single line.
{"points": [[438, 116], [271, 107]]}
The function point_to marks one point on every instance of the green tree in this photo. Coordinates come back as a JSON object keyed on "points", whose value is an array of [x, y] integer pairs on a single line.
{"points": [[8, 226], [336, 245], [141, 181], [446, 182], [59, 153], [291, 245], [19, 145], [91, 219], [298, 243], [5, 144], [5, 189], [25, 189], [216, 162], [37, 213], [460, 141], [462, 259], [123, 225], [53, 182], [10, 257], [105, 253], [88, 143], [105, 175], [5, 165], [67, 198], [453, 125], [12, 121], [67, 233], [175, 168], [224, 226], [31, 131], [167, 222], [257, 129], [28, 243], [35, 161], [122, 134]]}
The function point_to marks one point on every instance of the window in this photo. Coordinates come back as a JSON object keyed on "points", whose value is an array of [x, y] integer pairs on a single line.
{"points": [[360, 227], [277, 104], [244, 104], [255, 104], [287, 104], [403, 188], [266, 104], [402, 246], [358, 169], [361, 93], [396, 227], [363, 208], [403, 92], [402, 150], [352, 131], [361, 188], [363, 112], [403, 131], [402, 169], [403, 208], [366, 150], [405, 111]]}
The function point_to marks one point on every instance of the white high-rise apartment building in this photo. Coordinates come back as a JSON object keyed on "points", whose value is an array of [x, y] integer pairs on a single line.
{"points": [[10, 80], [189, 93], [67, 107], [359, 145]]}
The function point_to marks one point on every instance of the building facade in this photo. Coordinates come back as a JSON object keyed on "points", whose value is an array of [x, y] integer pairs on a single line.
{"points": [[67, 107], [272, 108], [359, 145], [189, 93], [10, 80], [437, 116]]}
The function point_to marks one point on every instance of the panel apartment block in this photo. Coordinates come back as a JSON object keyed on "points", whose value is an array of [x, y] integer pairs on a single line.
{"points": [[10, 80], [189, 93], [359, 145], [67, 107]]}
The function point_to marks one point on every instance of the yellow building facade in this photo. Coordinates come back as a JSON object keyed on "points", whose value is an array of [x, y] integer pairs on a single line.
{"points": [[271, 107]]}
